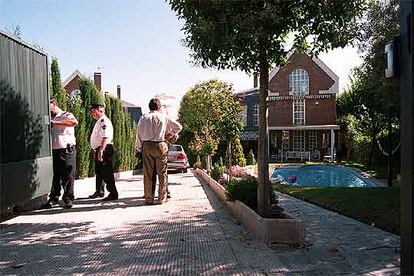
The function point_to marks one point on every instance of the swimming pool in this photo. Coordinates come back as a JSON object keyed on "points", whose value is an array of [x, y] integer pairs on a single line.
{"points": [[320, 175]]}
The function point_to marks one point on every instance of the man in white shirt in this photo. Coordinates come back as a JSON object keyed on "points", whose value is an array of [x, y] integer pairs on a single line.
{"points": [[64, 155], [101, 142], [153, 127]]}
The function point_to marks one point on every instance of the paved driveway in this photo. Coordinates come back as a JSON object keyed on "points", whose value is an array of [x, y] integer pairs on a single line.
{"points": [[192, 234]]}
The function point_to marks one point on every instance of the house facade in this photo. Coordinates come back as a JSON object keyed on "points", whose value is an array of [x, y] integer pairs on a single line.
{"points": [[301, 111], [72, 87]]}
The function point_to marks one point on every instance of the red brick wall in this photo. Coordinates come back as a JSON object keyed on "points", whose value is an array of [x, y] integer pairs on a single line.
{"points": [[318, 79], [323, 113], [281, 111], [73, 84]]}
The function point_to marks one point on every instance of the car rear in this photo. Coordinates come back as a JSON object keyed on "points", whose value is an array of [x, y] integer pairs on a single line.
{"points": [[177, 159]]}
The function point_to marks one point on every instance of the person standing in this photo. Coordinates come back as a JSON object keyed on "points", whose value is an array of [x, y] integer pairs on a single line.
{"points": [[150, 142], [101, 143], [63, 154]]}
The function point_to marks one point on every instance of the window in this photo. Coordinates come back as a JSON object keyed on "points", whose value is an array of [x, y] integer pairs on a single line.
{"points": [[299, 82], [273, 144], [313, 141], [298, 140], [299, 112], [285, 140], [244, 115], [255, 115], [325, 140]]}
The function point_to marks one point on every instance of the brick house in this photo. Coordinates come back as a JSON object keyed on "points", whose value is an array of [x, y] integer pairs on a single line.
{"points": [[72, 86], [301, 111]]}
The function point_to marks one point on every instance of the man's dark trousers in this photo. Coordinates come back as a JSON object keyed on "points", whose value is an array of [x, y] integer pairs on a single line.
{"points": [[104, 171], [64, 167]]}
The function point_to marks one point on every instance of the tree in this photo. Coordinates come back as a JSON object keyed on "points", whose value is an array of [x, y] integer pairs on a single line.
{"points": [[210, 113], [251, 36], [16, 31], [57, 90], [372, 99]]}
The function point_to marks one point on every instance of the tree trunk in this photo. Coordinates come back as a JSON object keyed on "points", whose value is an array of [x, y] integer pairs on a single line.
{"points": [[263, 188], [208, 165], [229, 159]]}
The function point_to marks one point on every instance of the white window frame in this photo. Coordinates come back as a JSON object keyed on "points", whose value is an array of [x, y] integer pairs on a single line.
{"points": [[244, 115], [298, 112], [326, 140], [298, 140], [299, 82], [285, 140], [255, 115], [313, 140]]}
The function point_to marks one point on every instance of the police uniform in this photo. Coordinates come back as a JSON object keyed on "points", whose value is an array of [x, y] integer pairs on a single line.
{"points": [[64, 159], [104, 169]]}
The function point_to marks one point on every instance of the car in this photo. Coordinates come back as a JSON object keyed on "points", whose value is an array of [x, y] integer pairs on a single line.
{"points": [[177, 159]]}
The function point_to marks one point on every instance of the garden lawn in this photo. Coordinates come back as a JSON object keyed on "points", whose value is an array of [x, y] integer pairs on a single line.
{"points": [[375, 206]]}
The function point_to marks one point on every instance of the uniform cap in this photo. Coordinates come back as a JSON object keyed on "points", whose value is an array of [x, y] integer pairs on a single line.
{"points": [[97, 105]]}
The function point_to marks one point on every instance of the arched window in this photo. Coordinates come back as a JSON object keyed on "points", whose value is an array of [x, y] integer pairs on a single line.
{"points": [[299, 82]]}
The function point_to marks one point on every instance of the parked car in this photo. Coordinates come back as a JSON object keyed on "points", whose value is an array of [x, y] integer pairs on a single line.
{"points": [[177, 159]]}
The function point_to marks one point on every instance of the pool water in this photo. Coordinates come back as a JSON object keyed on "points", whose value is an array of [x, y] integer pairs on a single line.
{"points": [[320, 175]]}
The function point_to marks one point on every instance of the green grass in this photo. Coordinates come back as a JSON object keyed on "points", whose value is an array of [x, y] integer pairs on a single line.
{"points": [[374, 206]]}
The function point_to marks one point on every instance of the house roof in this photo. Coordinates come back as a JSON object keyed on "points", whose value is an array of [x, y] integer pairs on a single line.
{"points": [[334, 88], [71, 77], [127, 104]]}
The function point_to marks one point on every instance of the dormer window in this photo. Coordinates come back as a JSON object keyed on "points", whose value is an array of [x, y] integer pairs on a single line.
{"points": [[299, 83]]}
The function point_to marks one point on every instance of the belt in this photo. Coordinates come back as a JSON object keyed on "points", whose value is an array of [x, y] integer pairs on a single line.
{"points": [[69, 148], [156, 142]]}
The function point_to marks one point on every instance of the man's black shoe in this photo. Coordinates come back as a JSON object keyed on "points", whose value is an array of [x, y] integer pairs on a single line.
{"points": [[110, 197], [50, 204], [168, 195], [67, 203], [96, 194]]}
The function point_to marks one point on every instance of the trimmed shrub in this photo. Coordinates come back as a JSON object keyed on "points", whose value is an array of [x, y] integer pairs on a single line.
{"points": [[244, 190], [217, 172], [250, 159], [197, 165]]}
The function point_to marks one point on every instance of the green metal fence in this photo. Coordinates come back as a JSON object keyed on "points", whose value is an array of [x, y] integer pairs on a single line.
{"points": [[25, 153]]}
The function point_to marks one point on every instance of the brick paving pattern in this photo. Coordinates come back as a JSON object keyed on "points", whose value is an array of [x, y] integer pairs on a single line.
{"points": [[189, 235]]}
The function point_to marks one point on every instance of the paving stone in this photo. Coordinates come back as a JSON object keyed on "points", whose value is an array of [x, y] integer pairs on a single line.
{"points": [[189, 235]]}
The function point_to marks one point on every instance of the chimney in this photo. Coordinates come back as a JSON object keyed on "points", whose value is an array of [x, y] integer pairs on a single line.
{"points": [[255, 76], [118, 91], [97, 79]]}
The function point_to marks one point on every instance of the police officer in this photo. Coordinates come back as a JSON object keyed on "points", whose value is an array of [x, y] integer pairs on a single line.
{"points": [[64, 155], [101, 143]]}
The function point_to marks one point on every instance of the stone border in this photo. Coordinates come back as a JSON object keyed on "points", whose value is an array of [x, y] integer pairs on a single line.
{"points": [[288, 231]]}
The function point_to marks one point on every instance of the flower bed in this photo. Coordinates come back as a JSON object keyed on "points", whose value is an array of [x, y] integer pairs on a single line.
{"points": [[269, 230]]}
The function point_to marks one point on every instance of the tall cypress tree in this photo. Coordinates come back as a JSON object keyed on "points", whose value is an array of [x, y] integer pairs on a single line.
{"points": [[82, 137], [90, 95], [57, 90]]}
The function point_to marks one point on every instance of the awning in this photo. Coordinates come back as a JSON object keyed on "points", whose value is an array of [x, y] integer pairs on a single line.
{"points": [[249, 135], [306, 127]]}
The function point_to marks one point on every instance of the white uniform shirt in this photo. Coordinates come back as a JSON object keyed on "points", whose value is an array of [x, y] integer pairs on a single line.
{"points": [[63, 135], [103, 129], [153, 126]]}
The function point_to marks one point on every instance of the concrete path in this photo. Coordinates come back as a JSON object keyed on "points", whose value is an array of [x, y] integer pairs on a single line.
{"points": [[191, 234]]}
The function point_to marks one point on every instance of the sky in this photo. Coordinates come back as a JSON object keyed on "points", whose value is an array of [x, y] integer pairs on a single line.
{"points": [[134, 43]]}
